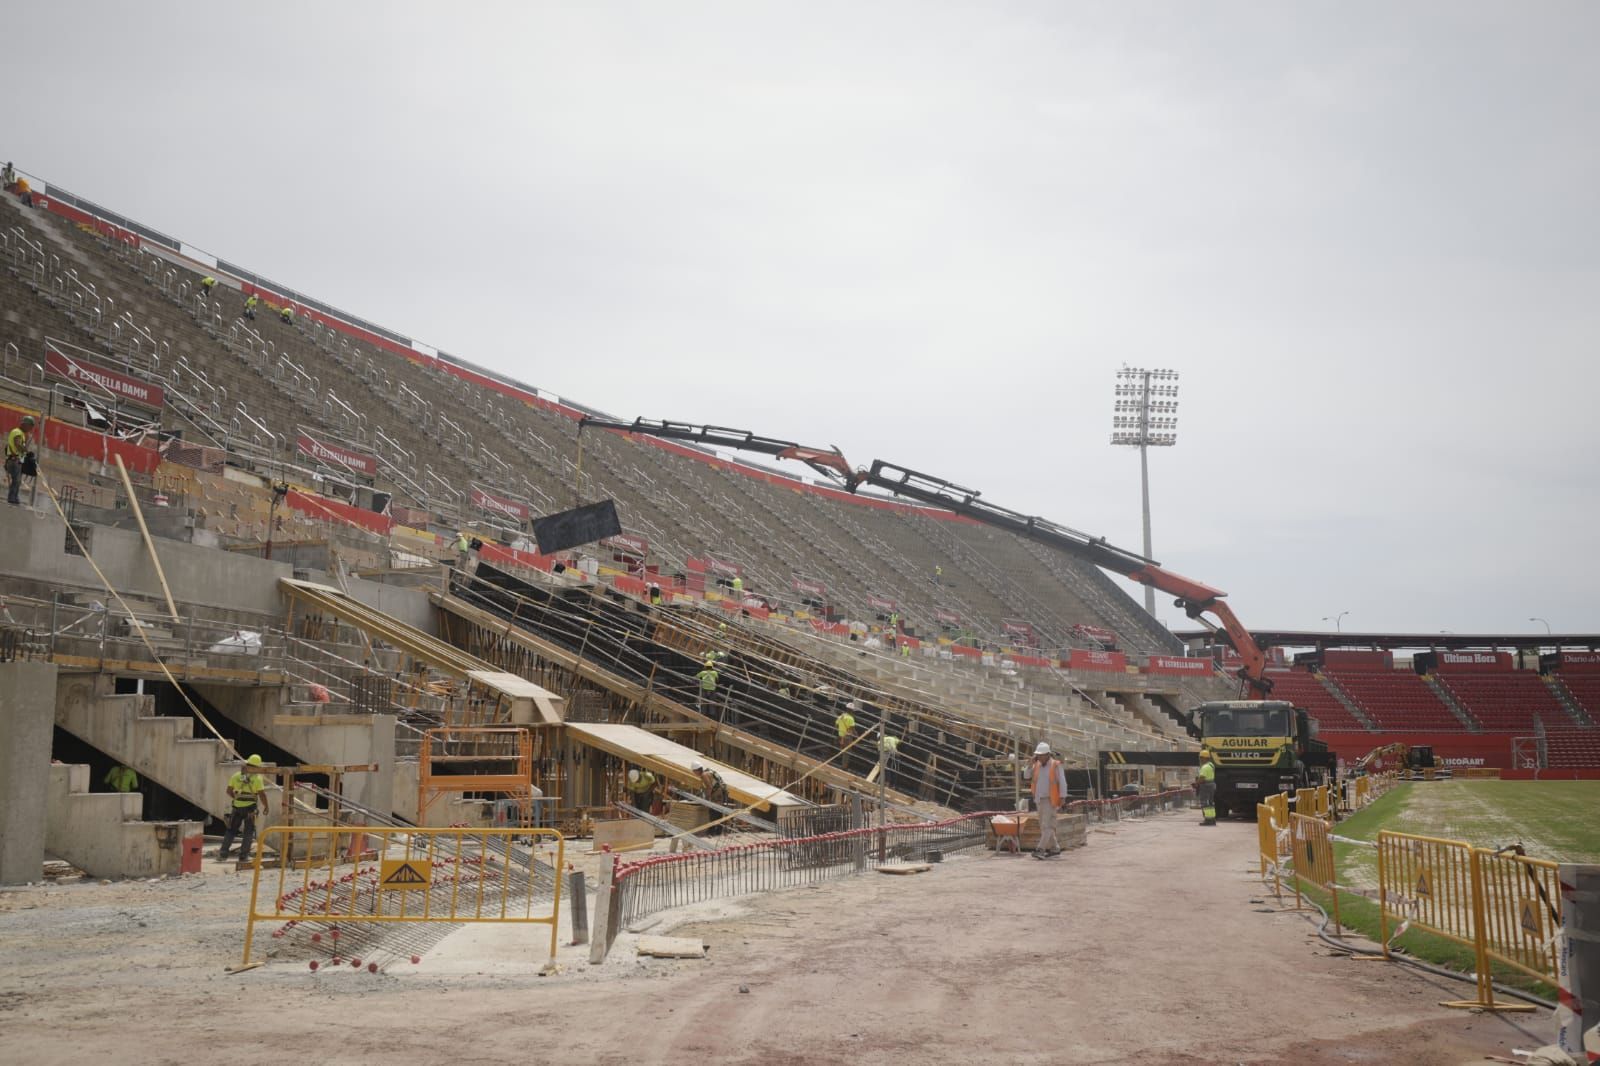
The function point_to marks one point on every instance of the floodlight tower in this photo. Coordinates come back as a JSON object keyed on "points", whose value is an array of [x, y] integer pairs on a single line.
{"points": [[1145, 416]]}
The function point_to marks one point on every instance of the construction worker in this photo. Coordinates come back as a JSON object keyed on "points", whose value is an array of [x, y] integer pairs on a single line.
{"points": [[641, 783], [846, 722], [708, 683], [207, 283], [655, 595], [16, 451], [1049, 783], [463, 547], [888, 744], [938, 574], [122, 778], [250, 303], [8, 176], [287, 314], [1206, 788], [738, 588], [713, 788], [248, 791]]}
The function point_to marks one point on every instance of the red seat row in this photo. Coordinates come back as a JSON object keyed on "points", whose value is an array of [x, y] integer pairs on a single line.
{"points": [[1395, 699]]}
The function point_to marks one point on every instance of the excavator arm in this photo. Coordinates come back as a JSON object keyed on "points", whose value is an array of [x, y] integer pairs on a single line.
{"points": [[1194, 598]]}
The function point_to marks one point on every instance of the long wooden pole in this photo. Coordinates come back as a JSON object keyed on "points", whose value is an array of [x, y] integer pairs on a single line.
{"points": [[150, 545]]}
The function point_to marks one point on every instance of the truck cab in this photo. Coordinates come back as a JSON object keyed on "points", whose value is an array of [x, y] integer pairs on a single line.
{"points": [[1259, 747]]}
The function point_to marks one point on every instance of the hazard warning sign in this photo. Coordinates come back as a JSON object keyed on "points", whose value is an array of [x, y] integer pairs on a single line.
{"points": [[1423, 888], [402, 874], [1530, 921]]}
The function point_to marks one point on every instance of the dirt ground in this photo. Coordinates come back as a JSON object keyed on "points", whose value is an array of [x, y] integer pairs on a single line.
{"points": [[1152, 945]]}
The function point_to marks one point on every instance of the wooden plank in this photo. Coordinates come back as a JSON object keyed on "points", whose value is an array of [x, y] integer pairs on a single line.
{"points": [[905, 868], [672, 947], [659, 754], [323, 719], [150, 545]]}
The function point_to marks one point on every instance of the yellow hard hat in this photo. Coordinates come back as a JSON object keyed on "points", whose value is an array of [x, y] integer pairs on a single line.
{"points": [[254, 760], [1205, 753]]}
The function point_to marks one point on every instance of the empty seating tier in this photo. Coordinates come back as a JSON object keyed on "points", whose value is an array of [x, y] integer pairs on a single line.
{"points": [[1573, 749], [1306, 690], [1506, 702], [1395, 699]]}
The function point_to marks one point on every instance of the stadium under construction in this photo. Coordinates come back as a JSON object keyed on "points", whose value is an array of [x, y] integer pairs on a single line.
{"points": [[500, 654]]}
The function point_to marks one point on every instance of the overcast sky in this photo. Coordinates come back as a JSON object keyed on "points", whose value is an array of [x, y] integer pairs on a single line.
{"points": [[1365, 233]]}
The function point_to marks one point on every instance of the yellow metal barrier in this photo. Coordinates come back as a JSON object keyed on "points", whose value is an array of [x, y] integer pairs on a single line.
{"points": [[1440, 886], [1321, 801], [405, 875], [1521, 911], [1305, 801], [1312, 849]]}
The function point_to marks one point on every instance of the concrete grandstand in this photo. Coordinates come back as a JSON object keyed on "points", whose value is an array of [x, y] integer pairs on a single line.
{"points": [[266, 436]]}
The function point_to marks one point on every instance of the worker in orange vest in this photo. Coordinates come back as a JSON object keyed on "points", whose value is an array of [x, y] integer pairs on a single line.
{"points": [[1049, 783]]}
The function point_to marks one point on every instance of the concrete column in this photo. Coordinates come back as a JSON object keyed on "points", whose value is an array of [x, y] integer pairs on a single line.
{"points": [[27, 717]]}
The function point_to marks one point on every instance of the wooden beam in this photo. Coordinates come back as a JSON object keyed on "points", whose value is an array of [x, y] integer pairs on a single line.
{"points": [[323, 719], [144, 531]]}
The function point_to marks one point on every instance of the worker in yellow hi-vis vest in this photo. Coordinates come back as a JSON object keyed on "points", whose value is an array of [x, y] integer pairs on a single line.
{"points": [[1206, 788], [247, 792]]}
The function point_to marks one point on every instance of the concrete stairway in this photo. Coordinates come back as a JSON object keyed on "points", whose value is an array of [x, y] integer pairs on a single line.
{"points": [[161, 749], [102, 834]]}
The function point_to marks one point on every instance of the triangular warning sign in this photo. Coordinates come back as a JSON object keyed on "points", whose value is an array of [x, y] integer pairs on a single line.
{"points": [[1530, 921], [1423, 888], [405, 874]]}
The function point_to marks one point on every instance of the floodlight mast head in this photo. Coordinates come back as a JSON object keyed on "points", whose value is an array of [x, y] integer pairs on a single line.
{"points": [[1145, 412], [1145, 416]]}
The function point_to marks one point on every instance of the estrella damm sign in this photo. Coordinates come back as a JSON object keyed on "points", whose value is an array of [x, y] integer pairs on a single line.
{"points": [[405, 874]]}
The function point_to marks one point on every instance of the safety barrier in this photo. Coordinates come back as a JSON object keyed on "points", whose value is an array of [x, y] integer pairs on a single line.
{"points": [[1503, 905], [632, 890], [368, 886], [1311, 845]]}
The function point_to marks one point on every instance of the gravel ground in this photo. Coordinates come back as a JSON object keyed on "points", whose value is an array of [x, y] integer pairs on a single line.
{"points": [[1151, 945]]}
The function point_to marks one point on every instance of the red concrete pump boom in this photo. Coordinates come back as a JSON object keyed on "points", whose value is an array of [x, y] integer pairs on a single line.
{"points": [[1194, 598]]}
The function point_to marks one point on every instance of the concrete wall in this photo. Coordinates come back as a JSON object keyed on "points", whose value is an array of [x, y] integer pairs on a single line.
{"points": [[409, 605], [27, 715], [446, 809], [342, 744], [198, 575], [101, 833], [36, 552]]}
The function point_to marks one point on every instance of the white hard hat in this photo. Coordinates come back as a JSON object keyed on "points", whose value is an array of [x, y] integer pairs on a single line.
{"points": [[1043, 748], [633, 775], [695, 767]]}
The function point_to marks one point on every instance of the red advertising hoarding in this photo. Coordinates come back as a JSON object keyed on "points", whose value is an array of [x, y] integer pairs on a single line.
{"points": [[334, 455], [810, 588], [1474, 660], [1095, 633], [947, 617], [491, 504], [1177, 666], [880, 603], [1580, 662], [1103, 661], [100, 380], [628, 544]]}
